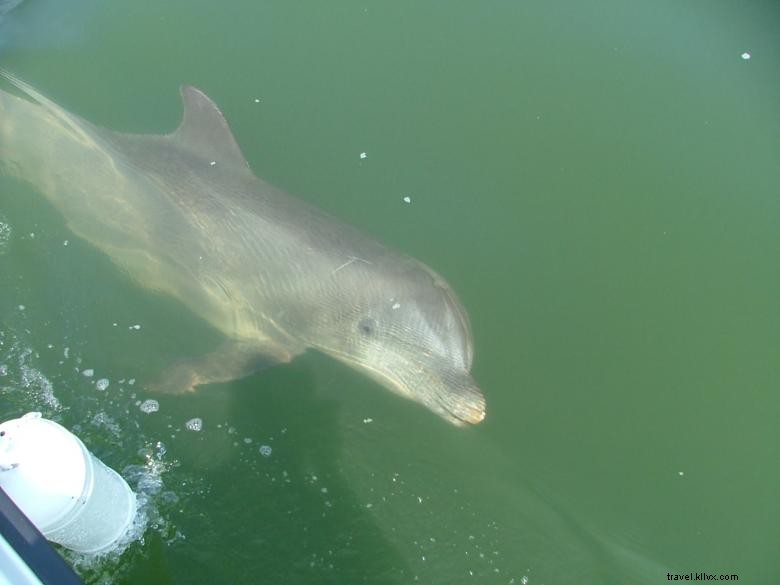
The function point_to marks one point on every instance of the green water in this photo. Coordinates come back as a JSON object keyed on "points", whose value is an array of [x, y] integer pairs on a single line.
{"points": [[597, 181]]}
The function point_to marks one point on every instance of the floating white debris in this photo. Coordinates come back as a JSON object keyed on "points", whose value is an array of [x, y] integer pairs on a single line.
{"points": [[149, 406], [136, 327], [102, 384], [396, 306], [131, 381], [363, 155], [194, 424], [265, 450], [745, 56], [407, 199], [367, 420], [66, 352], [32, 234], [680, 473], [257, 100], [3, 370], [212, 163], [65, 243], [88, 373], [22, 307]]}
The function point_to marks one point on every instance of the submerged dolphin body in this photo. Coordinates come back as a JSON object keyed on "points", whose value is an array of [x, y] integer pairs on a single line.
{"points": [[8, 5], [183, 214]]}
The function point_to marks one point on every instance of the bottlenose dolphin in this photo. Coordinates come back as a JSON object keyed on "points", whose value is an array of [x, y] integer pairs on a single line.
{"points": [[184, 215], [8, 5]]}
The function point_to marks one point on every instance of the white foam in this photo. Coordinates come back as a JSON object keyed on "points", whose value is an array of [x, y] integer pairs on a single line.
{"points": [[102, 384], [38, 386], [5, 234], [194, 424], [101, 419], [149, 406]]}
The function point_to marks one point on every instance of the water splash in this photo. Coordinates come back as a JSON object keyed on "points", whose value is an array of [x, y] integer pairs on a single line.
{"points": [[152, 502]]}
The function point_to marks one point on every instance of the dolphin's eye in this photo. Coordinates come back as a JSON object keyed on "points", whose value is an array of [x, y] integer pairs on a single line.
{"points": [[367, 326]]}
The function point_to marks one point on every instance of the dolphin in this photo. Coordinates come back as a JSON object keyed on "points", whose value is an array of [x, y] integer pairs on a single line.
{"points": [[182, 214], [8, 5]]}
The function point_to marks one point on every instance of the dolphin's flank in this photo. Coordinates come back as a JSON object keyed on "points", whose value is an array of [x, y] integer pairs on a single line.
{"points": [[183, 214]]}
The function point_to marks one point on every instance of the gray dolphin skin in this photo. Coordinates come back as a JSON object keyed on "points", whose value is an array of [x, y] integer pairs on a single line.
{"points": [[182, 214], [8, 5]]}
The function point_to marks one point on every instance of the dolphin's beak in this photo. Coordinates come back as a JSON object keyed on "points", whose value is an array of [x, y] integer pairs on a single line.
{"points": [[454, 395], [464, 401]]}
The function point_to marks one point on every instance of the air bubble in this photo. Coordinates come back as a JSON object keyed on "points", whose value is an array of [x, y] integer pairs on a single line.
{"points": [[194, 424], [149, 406]]}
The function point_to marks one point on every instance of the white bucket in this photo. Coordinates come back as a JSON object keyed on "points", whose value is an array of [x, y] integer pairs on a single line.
{"points": [[68, 493]]}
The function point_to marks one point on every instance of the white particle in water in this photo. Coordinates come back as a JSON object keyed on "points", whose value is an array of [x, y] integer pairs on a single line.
{"points": [[407, 199], [3, 370], [265, 450], [149, 406], [257, 100], [367, 420], [136, 327], [22, 307], [194, 424], [66, 352], [102, 384], [65, 243], [213, 163], [88, 373], [680, 473], [363, 155], [396, 306], [5, 233], [247, 440], [745, 56], [131, 381]]}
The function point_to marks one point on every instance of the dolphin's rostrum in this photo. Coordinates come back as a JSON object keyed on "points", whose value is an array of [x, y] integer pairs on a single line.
{"points": [[183, 214]]}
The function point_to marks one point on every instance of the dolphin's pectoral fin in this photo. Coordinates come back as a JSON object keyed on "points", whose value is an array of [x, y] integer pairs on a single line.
{"points": [[232, 361]]}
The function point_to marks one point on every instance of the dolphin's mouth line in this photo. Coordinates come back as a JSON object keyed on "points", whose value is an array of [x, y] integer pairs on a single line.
{"points": [[457, 409]]}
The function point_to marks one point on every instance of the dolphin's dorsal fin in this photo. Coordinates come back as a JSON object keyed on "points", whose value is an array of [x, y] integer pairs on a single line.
{"points": [[204, 131]]}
